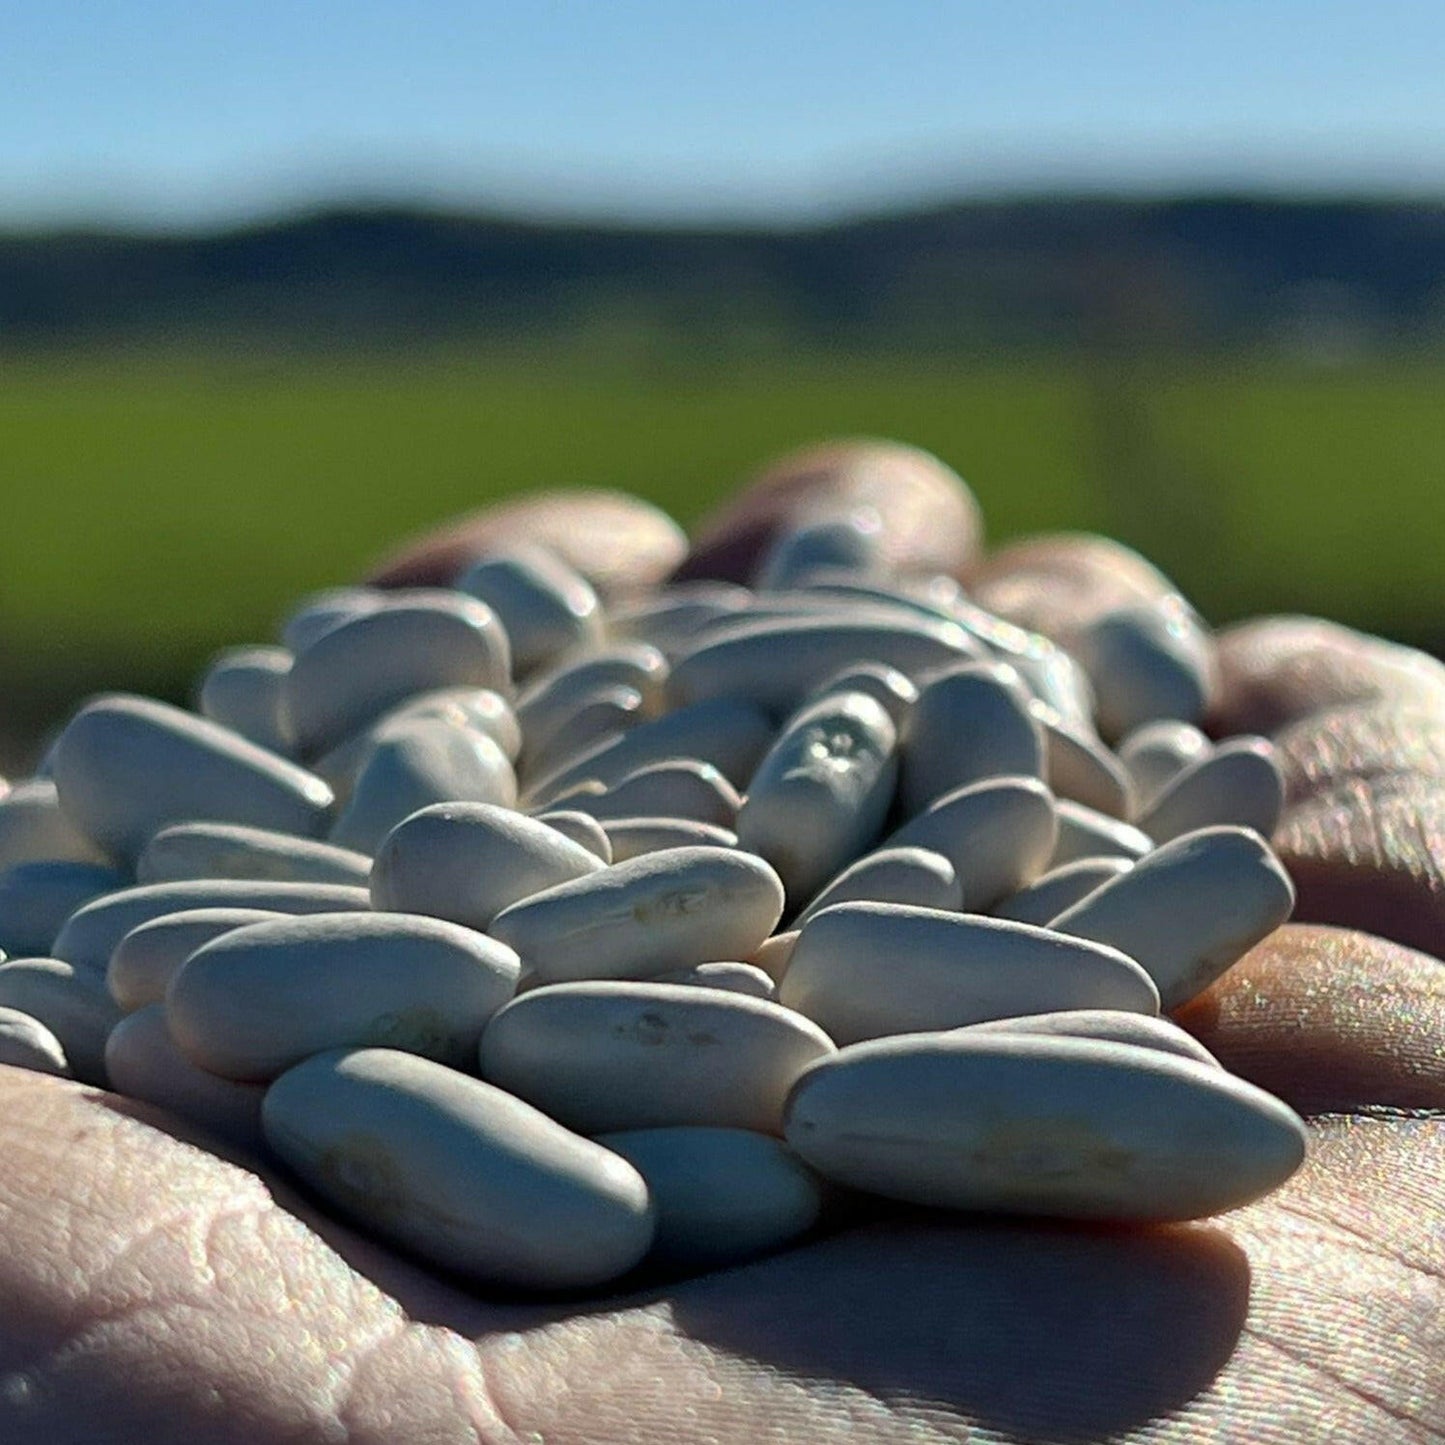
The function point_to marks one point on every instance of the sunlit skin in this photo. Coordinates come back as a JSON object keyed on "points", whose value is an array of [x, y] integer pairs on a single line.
{"points": [[151, 1291]]}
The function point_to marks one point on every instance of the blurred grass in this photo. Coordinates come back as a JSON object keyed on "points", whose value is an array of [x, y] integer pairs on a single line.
{"points": [[153, 507]]}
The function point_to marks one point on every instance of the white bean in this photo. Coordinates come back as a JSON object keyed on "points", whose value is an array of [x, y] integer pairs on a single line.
{"points": [[1190, 909], [599, 1056], [37, 898], [633, 837], [33, 829], [26, 1043], [466, 862], [147, 958], [253, 1002], [1156, 752], [917, 876], [1239, 783], [1088, 833], [229, 850], [645, 916], [1060, 888], [862, 970], [458, 1172], [71, 1002], [1068, 1127], [244, 689], [126, 766]]}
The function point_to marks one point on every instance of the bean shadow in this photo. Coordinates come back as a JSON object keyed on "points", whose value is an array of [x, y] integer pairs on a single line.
{"points": [[1049, 1332]]}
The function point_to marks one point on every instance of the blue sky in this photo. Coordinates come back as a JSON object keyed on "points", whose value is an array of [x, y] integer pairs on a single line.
{"points": [[166, 111]]}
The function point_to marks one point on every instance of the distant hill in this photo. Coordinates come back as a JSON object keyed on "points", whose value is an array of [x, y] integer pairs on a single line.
{"points": [[1193, 273]]}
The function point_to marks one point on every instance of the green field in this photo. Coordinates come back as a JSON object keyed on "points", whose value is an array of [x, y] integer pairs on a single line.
{"points": [[156, 507]]}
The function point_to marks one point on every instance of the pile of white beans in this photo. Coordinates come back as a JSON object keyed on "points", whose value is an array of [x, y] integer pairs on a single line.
{"points": [[550, 940]]}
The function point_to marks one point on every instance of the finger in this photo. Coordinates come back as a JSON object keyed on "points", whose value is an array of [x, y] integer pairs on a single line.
{"points": [[1330, 1020], [1056, 583], [158, 1294], [929, 519], [1360, 741], [1275, 670], [620, 543]]}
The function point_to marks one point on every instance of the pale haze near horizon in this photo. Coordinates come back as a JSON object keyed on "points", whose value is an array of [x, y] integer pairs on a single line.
{"points": [[166, 113]]}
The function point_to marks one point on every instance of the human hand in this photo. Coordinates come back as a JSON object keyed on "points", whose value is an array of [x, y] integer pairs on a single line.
{"points": [[153, 1290]]}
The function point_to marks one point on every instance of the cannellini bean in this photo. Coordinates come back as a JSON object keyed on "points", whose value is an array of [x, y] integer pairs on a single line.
{"points": [[1189, 910], [71, 1002], [1157, 752], [553, 696], [970, 723], [599, 719], [633, 837], [1087, 833], [888, 687], [253, 1002], [1143, 1030], [244, 689], [368, 664], [820, 796], [776, 664], [1047, 897], [466, 862], [862, 970], [998, 834], [26, 1043], [229, 850], [126, 766], [645, 916], [851, 542], [415, 763], [1147, 661], [1238, 783], [544, 605], [143, 1062], [917, 876], [37, 898], [91, 933], [321, 611], [682, 789], [1080, 768], [722, 1195], [145, 960], [458, 1172], [744, 978], [1069, 1127], [33, 829], [609, 1055], [582, 828]]}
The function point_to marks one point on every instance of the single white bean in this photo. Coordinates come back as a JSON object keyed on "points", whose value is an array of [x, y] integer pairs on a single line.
{"points": [[1088, 833], [773, 953], [244, 689], [253, 1002], [126, 766], [970, 722], [998, 835], [1067, 1127], [862, 970], [144, 1063], [889, 688], [744, 978], [1238, 784], [321, 611], [820, 796], [71, 1002], [1142, 1030], [599, 1056], [633, 837], [645, 916], [26, 1043], [671, 618], [683, 789], [1157, 752], [917, 876], [466, 862], [417, 762], [1193, 907], [1077, 766], [33, 829], [37, 898], [722, 1195], [150, 955], [850, 542], [91, 933], [582, 828], [1147, 661], [600, 718], [1060, 888], [544, 605], [230, 850], [368, 664], [458, 1172], [776, 664]]}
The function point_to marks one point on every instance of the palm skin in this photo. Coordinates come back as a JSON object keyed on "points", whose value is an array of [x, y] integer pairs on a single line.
{"points": [[153, 1291]]}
